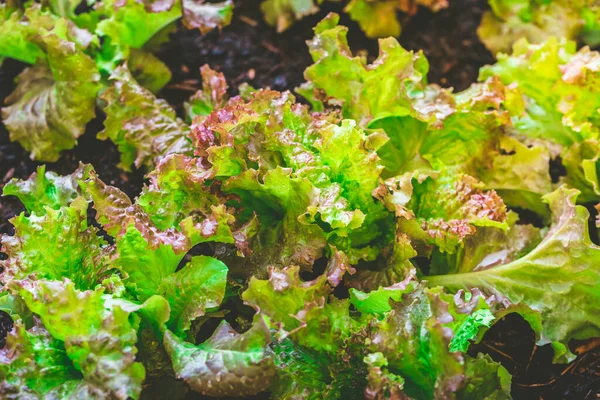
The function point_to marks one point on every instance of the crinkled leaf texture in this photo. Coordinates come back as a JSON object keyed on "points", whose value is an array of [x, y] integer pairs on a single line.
{"points": [[196, 288], [99, 339], [510, 20], [561, 102], [43, 189], [206, 16], [557, 279], [414, 328], [283, 13], [377, 18], [91, 296], [144, 127], [55, 98], [33, 364], [226, 364], [129, 23], [371, 91], [281, 166]]}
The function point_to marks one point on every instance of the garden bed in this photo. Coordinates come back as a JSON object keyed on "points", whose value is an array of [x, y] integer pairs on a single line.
{"points": [[250, 51]]}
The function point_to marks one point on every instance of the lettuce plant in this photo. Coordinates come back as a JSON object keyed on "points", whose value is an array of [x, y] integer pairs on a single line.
{"points": [[537, 20], [377, 18], [274, 249], [72, 57]]}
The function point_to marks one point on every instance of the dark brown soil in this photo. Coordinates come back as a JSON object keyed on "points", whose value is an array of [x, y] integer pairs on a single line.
{"points": [[249, 51]]}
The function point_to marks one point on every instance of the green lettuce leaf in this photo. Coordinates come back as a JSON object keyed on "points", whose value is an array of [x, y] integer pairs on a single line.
{"points": [[34, 364], [53, 100], [179, 187], [536, 21], [382, 384], [149, 255], [443, 210], [101, 345], [144, 252], [17, 29], [283, 13], [301, 372], [144, 128], [43, 189], [283, 164], [211, 97], [415, 337], [228, 363], [556, 279], [383, 88], [55, 244], [375, 18], [148, 70], [193, 290], [488, 247], [561, 104], [130, 23], [485, 379], [206, 16], [302, 310]]}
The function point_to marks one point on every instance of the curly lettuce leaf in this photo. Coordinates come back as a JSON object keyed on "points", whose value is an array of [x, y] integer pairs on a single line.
{"points": [[55, 244], [381, 89], [485, 379], [390, 267], [101, 345], [561, 104], [228, 363], [212, 96], [557, 279], [144, 128], [382, 384], [17, 30], [206, 16], [43, 189], [34, 364], [193, 290], [256, 145], [375, 18], [149, 255], [302, 310], [510, 20], [377, 301], [146, 253], [283, 13], [53, 100], [179, 187], [301, 372], [416, 335], [147, 70], [489, 247], [130, 23], [442, 210], [417, 332], [280, 202]]}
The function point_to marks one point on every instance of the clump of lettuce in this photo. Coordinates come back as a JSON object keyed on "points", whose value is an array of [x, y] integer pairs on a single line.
{"points": [[227, 274], [538, 20], [72, 57], [377, 18]]}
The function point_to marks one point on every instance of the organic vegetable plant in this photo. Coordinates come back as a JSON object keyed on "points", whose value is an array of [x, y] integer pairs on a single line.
{"points": [[537, 20], [298, 228], [377, 18], [80, 59], [503, 25]]}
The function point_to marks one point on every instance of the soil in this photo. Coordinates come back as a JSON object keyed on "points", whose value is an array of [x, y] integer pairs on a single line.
{"points": [[250, 51]]}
